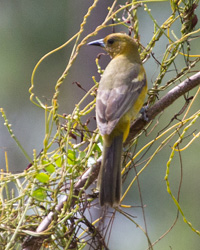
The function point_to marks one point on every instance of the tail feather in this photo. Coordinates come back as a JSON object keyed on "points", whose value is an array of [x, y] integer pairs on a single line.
{"points": [[110, 174]]}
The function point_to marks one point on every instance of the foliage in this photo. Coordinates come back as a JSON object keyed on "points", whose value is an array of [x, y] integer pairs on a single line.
{"points": [[70, 147]]}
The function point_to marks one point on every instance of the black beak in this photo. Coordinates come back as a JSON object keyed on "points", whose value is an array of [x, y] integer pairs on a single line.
{"points": [[99, 42]]}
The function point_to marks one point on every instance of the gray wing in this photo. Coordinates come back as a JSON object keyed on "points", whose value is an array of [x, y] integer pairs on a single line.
{"points": [[112, 104]]}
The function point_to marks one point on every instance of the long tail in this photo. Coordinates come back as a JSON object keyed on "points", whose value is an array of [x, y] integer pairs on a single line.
{"points": [[109, 180]]}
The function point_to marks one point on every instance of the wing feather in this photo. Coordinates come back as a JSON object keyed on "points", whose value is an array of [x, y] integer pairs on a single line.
{"points": [[113, 103]]}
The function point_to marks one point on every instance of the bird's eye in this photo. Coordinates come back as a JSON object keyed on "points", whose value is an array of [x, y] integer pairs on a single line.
{"points": [[110, 41]]}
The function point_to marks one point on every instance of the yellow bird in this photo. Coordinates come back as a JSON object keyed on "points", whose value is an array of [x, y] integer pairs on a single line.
{"points": [[121, 93]]}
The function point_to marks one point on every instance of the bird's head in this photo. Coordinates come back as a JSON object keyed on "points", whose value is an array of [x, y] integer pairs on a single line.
{"points": [[116, 44]]}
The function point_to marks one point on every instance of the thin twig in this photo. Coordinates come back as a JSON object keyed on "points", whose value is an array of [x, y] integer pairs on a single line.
{"points": [[167, 100], [91, 174]]}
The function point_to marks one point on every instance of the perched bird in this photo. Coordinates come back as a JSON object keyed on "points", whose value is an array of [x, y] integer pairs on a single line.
{"points": [[121, 93]]}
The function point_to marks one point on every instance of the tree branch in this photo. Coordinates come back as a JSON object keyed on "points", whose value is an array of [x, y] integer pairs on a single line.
{"points": [[163, 103], [91, 174]]}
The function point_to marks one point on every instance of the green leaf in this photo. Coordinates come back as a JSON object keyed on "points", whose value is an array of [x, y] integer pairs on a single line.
{"points": [[82, 155], [50, 168], [58, 160], [42, 177], [71, 157], [97, 148], [39, 194]]}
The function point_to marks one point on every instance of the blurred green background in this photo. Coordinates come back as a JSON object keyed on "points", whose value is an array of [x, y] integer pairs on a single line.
{"points": [[30, 29]]}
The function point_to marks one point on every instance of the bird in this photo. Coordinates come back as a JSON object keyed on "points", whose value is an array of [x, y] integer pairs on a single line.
{"points": [[120, 96]]}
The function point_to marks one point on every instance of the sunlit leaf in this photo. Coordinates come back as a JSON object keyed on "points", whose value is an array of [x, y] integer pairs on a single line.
{"points": [[42, 177], [58, 160], [50, 168], [71, 157]]}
